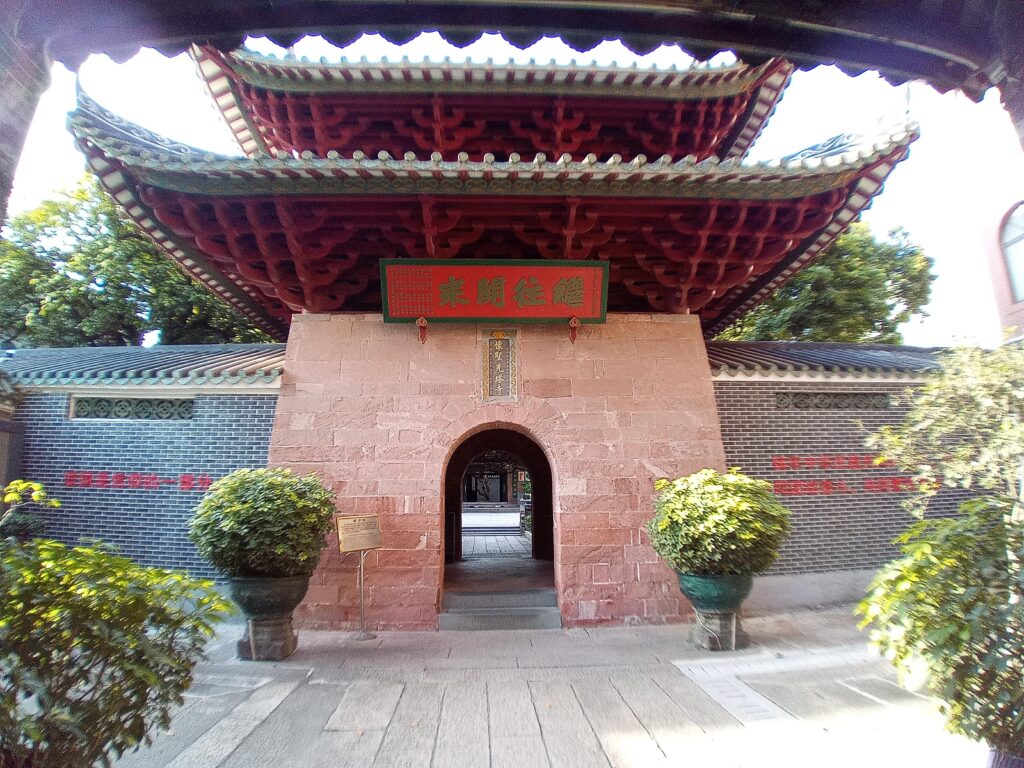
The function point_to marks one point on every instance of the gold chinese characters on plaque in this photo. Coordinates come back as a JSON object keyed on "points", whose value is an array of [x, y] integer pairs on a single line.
{"points": [[499, 369], [358, 532]]}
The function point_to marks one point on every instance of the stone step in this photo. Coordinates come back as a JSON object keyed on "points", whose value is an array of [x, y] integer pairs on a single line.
{"points": [[506, 531], [519, 598], [469, 619]]}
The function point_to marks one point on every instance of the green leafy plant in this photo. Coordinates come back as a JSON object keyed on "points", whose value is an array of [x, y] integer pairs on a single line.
{"points": [[22, 526], [710, 523], [94, 651], [952, 610], [15, 519], [10, 393], [263, 522], [859, 289], [76, 271], [965, 427]]}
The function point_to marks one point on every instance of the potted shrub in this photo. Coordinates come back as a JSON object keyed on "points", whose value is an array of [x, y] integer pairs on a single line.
{"points": [[264, 529], [716, 531], [95, 651]]}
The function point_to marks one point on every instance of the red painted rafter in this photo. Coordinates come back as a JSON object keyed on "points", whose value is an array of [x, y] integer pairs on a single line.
{"points": [[287, 105], [276, 236], [478, 125], [320, 254]]}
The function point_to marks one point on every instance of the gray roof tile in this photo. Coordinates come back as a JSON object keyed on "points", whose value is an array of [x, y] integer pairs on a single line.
{"points": [[185, 364], [251, 363], [828, 357]]}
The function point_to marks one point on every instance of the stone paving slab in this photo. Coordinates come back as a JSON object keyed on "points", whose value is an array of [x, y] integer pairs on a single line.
{"points": [[624, 697]]}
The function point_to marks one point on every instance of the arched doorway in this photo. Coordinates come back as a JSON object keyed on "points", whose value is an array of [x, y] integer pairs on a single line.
{"points": [[512, 588], [531, 455]]}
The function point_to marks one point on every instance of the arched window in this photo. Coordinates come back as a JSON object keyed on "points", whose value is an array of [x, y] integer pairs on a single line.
{"points": [[1011, 237]]}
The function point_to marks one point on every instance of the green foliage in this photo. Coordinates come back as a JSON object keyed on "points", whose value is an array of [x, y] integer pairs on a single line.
{"points": [[94, 651], [15, 519], [263, 522], [77, 272], [858, 290], [965, 427], [10, 393], [22, 526], [953, 607], [708, 523]]}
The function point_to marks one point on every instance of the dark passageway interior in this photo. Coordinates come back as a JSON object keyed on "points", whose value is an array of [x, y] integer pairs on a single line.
{"points": [[498, 514]]}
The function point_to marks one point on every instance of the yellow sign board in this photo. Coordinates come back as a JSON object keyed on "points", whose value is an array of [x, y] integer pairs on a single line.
{"points": [[358, 532]]}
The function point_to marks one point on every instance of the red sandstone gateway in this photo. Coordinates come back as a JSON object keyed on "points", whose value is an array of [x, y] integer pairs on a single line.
{"points": [[350, 165]]}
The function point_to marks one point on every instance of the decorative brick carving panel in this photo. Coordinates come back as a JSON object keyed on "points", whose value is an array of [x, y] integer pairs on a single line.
{"points": [[832, 401], [149, 408]]}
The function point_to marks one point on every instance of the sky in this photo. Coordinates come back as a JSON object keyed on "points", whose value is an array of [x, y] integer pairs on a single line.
{"points": [[961, 176]]}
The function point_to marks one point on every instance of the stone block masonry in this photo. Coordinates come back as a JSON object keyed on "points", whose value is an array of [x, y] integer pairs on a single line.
{"points": [[169, 462], [377, 414]]}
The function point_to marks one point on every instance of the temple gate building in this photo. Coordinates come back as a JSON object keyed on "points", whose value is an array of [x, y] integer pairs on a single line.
{"points": [[550, 247]]}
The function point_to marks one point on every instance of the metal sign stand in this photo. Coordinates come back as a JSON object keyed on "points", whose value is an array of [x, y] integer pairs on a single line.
{"points": [[359, 533], [362, 634]]}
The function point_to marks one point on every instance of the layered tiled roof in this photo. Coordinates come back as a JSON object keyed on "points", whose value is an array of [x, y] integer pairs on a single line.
{"points": [[741, 359], [198, 364], [173, 165], [196, 205], [256, 363], [299, 87]]}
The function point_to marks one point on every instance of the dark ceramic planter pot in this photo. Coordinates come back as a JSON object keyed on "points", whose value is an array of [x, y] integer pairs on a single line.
{"points": [[267, 603], [716, 594], [716, 599], [999, 759]]}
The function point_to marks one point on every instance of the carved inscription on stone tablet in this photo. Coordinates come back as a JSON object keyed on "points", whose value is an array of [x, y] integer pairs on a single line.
{"points": [[499, 369]]}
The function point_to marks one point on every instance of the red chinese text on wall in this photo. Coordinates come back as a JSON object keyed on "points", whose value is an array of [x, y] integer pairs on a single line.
{"points": [[140, 481], [854, 461], [466, 290], [837, 486]]}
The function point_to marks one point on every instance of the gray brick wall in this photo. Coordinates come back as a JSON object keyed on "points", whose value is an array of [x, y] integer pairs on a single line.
{"points": [[843, 517], [845, 513], [147, 523]]}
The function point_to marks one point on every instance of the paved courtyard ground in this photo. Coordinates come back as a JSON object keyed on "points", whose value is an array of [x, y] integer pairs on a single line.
{"points": [[497, 546], [807, 694]]}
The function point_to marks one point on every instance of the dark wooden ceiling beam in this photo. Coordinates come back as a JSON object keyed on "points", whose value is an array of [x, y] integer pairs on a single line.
{"points": [[906, 40]]}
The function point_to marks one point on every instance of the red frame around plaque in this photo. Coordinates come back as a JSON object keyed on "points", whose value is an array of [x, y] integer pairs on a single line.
{"points": [[477, 290]]}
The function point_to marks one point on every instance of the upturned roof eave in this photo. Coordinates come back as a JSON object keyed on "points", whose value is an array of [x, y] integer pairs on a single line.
{"points": [[698, 80], [156, 160], [161, 162], [221, 72], [115, 182]]}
